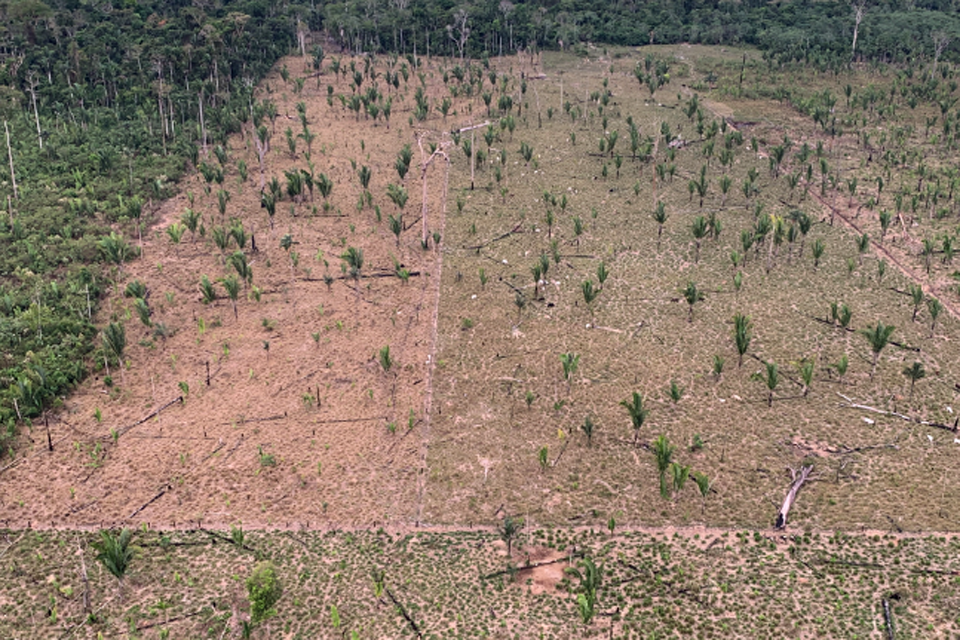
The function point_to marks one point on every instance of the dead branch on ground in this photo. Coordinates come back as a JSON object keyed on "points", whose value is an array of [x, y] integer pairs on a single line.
{"points": [[851, 404]]}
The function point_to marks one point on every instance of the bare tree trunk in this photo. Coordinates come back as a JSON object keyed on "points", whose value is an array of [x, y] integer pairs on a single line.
{"points": [[36, 115], [13, 176], [792, 494], [423, 207], [858, 9], [203, 128]]}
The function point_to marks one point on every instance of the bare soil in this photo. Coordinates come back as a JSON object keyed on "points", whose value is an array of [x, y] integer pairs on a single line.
{"points": [[288, 430]]}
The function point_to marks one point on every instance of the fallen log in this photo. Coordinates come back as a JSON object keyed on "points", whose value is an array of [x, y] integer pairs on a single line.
{"points": [[516, 229], [888, 618], [850, 404], [798, 481], [403, 612], [185, 616], [123, 430], [151, 501]]}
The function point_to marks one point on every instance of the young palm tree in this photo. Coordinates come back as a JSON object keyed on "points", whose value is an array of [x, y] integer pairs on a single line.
{"points": [[398, 196], [223, 197], [191, 220], [114, 344], [325, 185], [703, 484], [570, 362], [804, 222], [520, 301], [589, 577], [115, 554], [660, 217], [863, 243], [927, 253], [935, 307], [699, 229], [509, 529], [602, 274], [588, 427], [365, 173], [742, 335], [396, 226], [115, 249], [354, 259], [638, 415], [143, 311], [771, 378], [232, 286], [916, 294], [702, 184], [914, 373], [537, 272], [206, 290], [589, 293], [679, 473], [818, 248], [885, 220], [663, 451], [294, 185], [239, 234], [268, 202], [175, 233], [878, 336], [239, 262], [841, 366], [725, 184], [692, 295]]}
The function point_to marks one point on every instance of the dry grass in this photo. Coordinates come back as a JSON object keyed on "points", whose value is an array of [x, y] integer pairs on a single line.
{"points": [[483, 453], [702, 583], [454, 437]]}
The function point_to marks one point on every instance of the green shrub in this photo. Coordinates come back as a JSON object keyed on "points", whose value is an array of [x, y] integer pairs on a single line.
{"points": [[264, 591]]}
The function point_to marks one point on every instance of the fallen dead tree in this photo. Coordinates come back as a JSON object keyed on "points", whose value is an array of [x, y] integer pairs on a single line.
{"points": [[851, 404], [798, 480], [152, 414]]}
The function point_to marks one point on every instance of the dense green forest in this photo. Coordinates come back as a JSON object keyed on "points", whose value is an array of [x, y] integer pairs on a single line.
{"points": [[800, 30], [101, 105]]}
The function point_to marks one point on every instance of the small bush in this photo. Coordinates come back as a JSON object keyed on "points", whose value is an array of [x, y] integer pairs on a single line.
{"points": [[264, 591]]}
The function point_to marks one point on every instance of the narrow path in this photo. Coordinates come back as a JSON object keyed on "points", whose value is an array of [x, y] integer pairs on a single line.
{"points": [[423, 470], [700, 532]]}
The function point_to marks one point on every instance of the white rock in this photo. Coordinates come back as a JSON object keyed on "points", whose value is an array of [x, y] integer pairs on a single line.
{"points": [[868, 421]]}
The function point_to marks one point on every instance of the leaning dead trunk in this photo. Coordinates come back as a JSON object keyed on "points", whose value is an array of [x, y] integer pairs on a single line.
{"points": [[798, 481]]}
